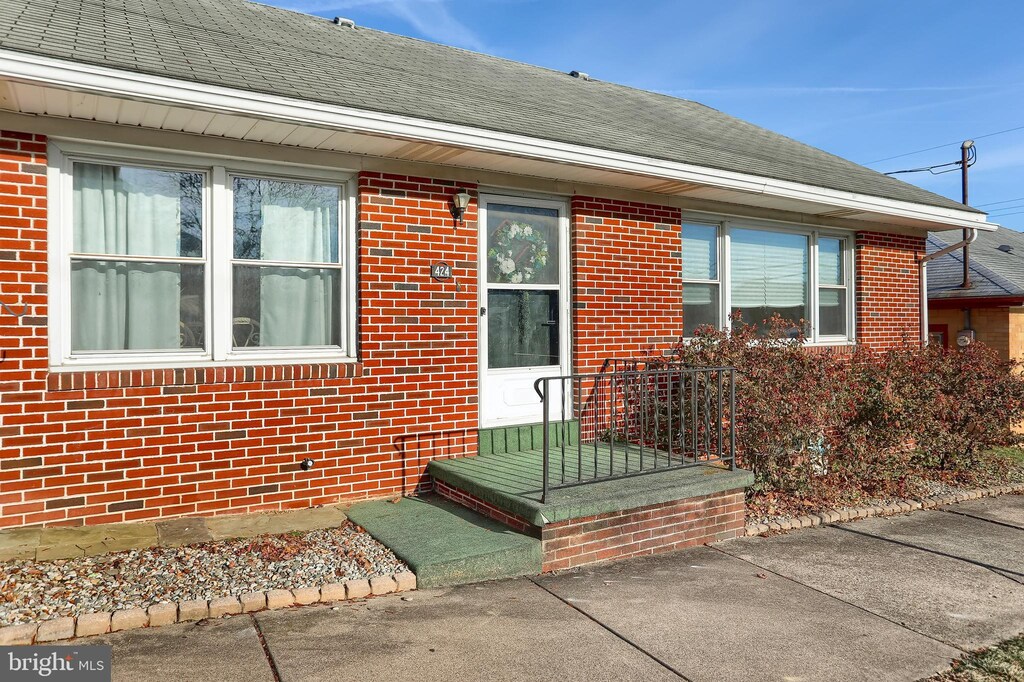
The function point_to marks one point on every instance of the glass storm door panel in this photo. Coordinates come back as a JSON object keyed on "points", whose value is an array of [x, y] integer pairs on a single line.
{"points": [[523, 306]]}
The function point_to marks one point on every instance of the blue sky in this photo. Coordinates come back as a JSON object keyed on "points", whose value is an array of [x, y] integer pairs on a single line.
{"points": [[863, 79]]}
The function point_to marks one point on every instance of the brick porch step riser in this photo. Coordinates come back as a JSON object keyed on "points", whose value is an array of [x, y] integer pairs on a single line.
{"points": [[651, 529]]}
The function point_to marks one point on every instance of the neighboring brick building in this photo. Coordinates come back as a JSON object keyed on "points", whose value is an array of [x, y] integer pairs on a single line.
{"points": [[225, 273], [993, 307]]}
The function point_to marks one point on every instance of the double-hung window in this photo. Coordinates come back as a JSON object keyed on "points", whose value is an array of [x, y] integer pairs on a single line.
{"points": [[758, 271], [701, 287], [172, 262], [137, 268], [286, 270]]}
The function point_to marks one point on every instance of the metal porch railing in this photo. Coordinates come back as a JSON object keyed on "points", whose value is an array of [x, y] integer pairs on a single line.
{"points": [[629, 422]]}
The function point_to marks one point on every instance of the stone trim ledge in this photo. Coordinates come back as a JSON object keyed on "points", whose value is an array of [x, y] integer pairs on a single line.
{"points": [[854, 513], [166, 613]]}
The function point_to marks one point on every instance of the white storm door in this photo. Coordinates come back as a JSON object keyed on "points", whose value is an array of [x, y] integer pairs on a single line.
{"points": [[524, 306]]}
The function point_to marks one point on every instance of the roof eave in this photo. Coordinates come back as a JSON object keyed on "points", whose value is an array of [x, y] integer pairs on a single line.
{"points": [[81, 77], [966, 300]]}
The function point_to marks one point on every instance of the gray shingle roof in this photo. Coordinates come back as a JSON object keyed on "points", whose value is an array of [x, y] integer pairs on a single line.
{"points": [[239, 44], [994, 272]]}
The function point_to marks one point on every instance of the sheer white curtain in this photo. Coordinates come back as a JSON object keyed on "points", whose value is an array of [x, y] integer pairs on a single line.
{"points": [[297, 306], [120, 305]]}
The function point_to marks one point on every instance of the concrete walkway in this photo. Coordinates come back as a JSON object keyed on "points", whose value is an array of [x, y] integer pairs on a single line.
{"points": [[882, 599]]}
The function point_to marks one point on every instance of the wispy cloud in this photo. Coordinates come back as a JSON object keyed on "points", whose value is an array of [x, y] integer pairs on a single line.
{"points": [[432, 19], [998, 158], [789, 90]]}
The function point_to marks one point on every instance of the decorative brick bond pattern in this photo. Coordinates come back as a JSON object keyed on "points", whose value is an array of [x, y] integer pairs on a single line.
{"points": [[100, 447], [645, 530], [627, 279], [888, 305]]}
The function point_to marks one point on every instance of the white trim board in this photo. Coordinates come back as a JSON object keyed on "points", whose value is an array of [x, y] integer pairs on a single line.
{"points": [[51, 72]]}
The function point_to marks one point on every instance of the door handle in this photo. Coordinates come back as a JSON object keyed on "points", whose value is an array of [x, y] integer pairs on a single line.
{"points": [[550, 323], [483, 311]]}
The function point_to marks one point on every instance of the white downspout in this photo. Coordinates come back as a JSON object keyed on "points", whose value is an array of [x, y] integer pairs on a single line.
{"points": [[972, 234]]}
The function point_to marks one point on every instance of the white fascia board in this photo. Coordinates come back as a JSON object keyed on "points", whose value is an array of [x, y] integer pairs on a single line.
{"points": [[98, 80]]}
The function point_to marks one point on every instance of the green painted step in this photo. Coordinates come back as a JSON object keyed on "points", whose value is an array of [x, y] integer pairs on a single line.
{"points": [[512, 481], [446, 544], [502, 439]]}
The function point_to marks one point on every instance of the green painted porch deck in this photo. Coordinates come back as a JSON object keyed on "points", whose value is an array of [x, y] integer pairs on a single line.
{"points": [[513, 480]]}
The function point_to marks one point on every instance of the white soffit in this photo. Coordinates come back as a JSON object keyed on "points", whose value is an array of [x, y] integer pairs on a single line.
{"points": [[47, 87]]}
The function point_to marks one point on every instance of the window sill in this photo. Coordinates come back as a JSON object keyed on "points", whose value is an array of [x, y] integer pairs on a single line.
{"points": [[822, 343], [85, 378], [830, 343]]}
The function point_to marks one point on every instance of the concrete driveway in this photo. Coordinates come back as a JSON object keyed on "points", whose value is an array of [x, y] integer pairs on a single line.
{"points": [[881, 599]]}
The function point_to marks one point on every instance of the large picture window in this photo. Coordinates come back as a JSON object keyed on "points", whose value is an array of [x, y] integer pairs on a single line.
{"points": [[185, 263], [768, 275], [793, 272]]}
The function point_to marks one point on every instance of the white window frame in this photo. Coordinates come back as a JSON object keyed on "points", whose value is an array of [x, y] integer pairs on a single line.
{"points": [[218, 254], [813, 234], [719, 280]]}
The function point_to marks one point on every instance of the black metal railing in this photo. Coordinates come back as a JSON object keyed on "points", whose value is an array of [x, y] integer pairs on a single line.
{"points": [[628, 422]]}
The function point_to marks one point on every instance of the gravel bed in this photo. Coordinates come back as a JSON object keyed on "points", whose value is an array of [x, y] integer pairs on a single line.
{"points": [[929, 489], [32, 591], [940, 489]]}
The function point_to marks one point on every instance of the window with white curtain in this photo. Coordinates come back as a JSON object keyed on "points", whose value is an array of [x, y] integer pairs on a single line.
{"points": [[794, 272], [137, 263], [286, 270], [182, 265]]}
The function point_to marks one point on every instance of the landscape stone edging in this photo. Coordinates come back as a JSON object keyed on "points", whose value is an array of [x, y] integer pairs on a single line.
{"points": [[854, 513], [155, 615]]}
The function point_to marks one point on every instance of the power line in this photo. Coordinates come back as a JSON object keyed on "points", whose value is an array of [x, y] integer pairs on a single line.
{"points": [[940, 146], [1004, 201], [1008, 208], [972, 155], [1008, 214]]}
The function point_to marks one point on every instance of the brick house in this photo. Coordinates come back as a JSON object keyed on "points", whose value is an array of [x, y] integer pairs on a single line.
{"points": [[992, 309], [221, 221]]}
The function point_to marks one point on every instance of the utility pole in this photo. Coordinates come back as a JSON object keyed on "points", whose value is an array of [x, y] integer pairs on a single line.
{"points": [[964, 152]]}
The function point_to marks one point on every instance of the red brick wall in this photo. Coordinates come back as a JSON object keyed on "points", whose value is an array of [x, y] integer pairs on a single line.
{"points": [[92, 447], [95, 447], [888, 306], [645, 530], [627, 279]]}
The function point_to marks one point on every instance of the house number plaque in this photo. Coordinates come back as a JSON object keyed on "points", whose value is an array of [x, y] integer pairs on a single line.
{"points": [[441, 271]]}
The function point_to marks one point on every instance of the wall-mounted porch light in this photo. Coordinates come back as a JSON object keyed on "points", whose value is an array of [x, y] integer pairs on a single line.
{"points": [[460, 202]]}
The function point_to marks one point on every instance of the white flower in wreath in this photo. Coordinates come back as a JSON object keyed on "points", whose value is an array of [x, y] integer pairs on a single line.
{"points": [[519, 251]]}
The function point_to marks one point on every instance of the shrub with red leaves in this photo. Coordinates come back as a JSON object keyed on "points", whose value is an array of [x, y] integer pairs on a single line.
{"points": [[818, 423]]}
